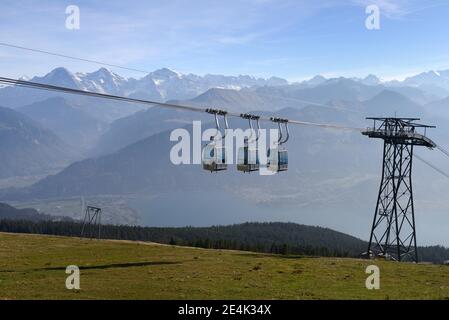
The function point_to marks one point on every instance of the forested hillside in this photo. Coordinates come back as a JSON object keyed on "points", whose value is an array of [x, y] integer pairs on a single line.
{"points": [[277, 238]]}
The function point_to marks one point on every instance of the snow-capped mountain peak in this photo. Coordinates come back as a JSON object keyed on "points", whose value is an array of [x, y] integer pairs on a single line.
{"points": [[165, 74], [316, 80], [372, 80], [161, 84], [104, 81], [59, 76], [435, 81]]}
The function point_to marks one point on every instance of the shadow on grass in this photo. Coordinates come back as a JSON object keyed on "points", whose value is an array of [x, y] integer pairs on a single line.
{"points": [[272, 255], [114, 265]]}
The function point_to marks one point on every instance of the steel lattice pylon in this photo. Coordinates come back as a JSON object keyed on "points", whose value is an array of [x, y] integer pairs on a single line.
{"points": [[92, 221], [393, 232]]}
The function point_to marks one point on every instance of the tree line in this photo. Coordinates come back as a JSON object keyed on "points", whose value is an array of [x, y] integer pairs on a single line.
{"points": [[275, 238]]}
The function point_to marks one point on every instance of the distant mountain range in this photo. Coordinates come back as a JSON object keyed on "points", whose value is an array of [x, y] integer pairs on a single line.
{"points": [[142, 163], [436, 82], [432, 82], [26, 148], [8, 212], [76, 127], [128, 146], [343, 95], [165, 84], [160, 85], [439, 108]]}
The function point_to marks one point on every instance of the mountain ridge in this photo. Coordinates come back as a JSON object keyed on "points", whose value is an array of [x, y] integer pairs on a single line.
{"points": [[27, 148], [74, 126], [165, 84]]}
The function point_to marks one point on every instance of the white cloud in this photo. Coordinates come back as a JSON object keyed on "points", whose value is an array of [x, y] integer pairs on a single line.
{"points": [[398, 9], [389, 8]]}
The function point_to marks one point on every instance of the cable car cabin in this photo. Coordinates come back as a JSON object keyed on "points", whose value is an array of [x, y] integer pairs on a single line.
{"points": [[277, 160], [248, 159], [214, 158]]}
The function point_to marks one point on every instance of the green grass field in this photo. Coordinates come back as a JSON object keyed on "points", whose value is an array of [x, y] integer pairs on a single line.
{"points": [[33, 267]]}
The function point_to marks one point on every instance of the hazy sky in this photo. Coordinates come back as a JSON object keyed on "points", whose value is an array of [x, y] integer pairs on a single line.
{"points": [[291, 39]]}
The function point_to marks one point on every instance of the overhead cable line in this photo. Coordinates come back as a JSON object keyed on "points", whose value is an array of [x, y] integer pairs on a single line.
{"points": [[309, 103], [443, 150], [35, 85], [4, 44], [432, 166], [41, 86], [72, 57]]}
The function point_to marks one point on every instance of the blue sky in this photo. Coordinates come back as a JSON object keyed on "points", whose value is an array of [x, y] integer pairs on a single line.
{"points": [[290, 39]]}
